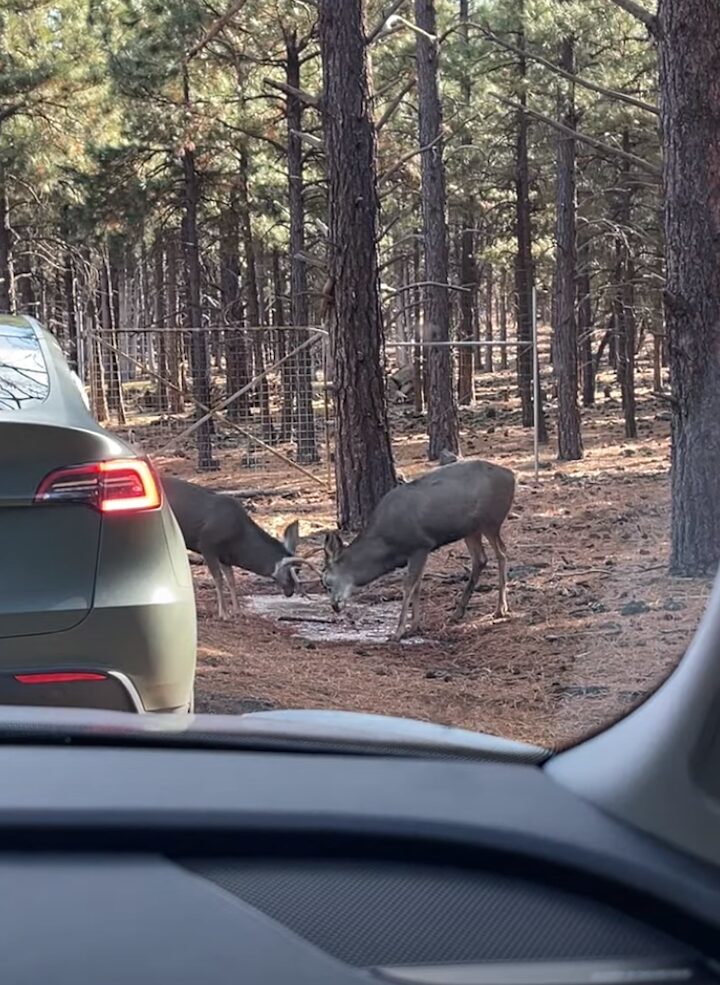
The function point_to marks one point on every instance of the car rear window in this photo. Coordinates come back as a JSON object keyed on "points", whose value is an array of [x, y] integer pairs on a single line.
{"points": [[24, 380]]}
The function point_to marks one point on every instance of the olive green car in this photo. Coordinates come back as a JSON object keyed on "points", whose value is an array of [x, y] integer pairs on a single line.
{"points": [[96, 596]]}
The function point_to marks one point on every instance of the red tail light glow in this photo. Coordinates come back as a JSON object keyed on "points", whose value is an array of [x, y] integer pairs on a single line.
{"points": [[61, 678], [119, 486]]}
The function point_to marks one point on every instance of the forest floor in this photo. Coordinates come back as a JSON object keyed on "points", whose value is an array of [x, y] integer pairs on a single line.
{"points": [[596, 621]]}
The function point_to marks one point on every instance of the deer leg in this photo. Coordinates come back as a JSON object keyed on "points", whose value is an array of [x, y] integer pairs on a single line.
{"points": [[479, 561], [411, 584], [229, 573], [415, 617], [216, 571], [498, 546]]}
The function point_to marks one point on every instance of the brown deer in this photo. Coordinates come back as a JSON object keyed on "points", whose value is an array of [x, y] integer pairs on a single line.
{"points": [[464, 500]]}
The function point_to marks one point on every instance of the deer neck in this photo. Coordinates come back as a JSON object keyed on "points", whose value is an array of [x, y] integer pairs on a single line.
{"points": [[368, 558]]}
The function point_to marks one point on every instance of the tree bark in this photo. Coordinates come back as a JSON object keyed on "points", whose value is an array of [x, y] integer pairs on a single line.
{"points": [[688, 41], [624, 302], [286, 370], [585, 317], [442, 412], [252, 298], [524, 268], [364, 469], [68, 277], [570, 447], [160, 322], [7, 279], [176, 395], [307, 452], [199, 367], [489, 285], [468, 266], [236, 356], [502, 314], [110, 357]]}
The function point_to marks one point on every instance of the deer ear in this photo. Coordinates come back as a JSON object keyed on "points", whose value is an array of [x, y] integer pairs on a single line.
{"points": [[333, 546], [291, 536]]}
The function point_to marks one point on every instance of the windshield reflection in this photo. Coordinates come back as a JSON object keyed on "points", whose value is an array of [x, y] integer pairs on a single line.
{"points": [[23, 374]]}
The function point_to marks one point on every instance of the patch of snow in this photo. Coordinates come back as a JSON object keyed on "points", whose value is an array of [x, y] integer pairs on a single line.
{"points": [[312, 618]]}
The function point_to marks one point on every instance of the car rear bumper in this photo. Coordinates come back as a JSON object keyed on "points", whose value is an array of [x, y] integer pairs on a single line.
{"points": [[148, 652], [110, 690]]}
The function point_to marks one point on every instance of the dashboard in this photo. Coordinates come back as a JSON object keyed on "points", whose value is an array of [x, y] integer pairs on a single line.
{"points": [[219, 866]]}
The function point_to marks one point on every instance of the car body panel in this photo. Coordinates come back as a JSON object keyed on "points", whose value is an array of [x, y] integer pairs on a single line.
{"points": [[80, 589]]}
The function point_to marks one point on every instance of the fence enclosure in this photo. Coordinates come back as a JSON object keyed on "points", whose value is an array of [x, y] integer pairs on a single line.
{"points": [[262, 396]]}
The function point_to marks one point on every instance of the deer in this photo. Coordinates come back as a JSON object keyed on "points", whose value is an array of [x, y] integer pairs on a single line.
{"points": [[467, 499], [219, 528]]}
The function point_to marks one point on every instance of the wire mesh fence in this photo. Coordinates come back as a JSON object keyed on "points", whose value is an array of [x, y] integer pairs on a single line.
{"points": [[255, 399], [257, 395]]}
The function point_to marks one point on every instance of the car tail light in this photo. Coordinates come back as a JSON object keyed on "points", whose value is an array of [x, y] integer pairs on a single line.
{"points": [[120, 486], [58, 678]]}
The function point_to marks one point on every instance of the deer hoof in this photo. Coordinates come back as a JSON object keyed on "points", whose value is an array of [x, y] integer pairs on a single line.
{"points": [[499, 614]]}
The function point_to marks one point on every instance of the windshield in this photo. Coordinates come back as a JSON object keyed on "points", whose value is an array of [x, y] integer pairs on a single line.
{"points": [[424, 290], [23, 374]]}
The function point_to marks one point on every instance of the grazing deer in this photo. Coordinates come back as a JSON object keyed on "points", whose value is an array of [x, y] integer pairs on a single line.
{"points": [[465, 500], [219, 528]]}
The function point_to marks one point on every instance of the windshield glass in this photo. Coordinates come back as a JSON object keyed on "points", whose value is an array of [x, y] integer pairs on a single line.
{"points": [[23, 374], [423, 289]]}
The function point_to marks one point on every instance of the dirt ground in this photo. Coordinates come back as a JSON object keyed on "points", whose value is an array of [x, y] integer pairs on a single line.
{"points": [[596, 621]]}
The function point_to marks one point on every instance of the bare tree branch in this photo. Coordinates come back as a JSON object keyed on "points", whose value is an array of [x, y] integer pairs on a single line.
{"points": [[415, 152], [215, 29], [622, 97], [638, 11], [304, 97], [308, 138], [386, 13], [392, 107], [639, 162]]}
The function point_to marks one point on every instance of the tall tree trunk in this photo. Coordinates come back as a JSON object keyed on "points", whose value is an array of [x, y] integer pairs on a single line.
{"points": [[570, 447], [109, 335], [442, 412], [307, 451], [252, 298], [419, 362], [364, 469], [502, 315], [287, 375], [25, 295], [584, 316], [624, 303], [489, 285], [7, 279], [70, 302], [231, 310], [688, 41], [176, 392], [193, 310], [98, 395], [524, 268], [160, 322], [468, 266]]}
